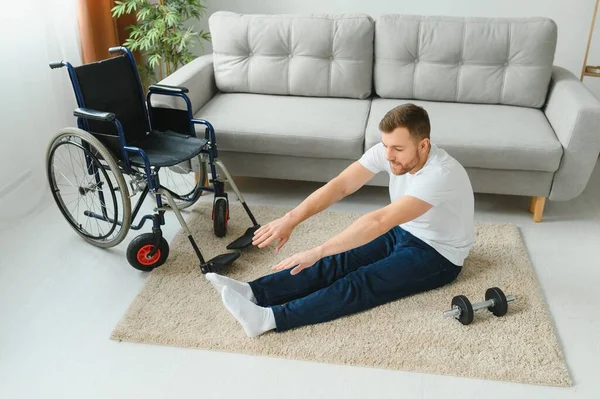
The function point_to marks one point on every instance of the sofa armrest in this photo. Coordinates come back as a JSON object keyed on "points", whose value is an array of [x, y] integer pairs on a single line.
{"points": [[574, 113], [198, 77]]}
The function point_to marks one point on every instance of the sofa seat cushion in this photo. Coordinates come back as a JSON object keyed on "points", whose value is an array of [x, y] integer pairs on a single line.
{"points": [[483, 135], [287, 125]]}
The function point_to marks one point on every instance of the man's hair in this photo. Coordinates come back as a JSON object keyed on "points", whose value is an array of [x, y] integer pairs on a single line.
{"points": [[410, 116]]}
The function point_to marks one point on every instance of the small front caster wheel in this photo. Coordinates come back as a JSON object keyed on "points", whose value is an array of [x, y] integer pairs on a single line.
{"points": [[140, 248], [220, 216]]}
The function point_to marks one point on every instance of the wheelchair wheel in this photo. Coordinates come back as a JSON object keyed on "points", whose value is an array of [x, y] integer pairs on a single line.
{"points": [[220, 216], [88, 187], [184, 185], [138, 252]]}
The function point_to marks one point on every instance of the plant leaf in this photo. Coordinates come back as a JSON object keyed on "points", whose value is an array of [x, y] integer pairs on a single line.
{"points": [[154, 60], [118, 9], [143, 14]]}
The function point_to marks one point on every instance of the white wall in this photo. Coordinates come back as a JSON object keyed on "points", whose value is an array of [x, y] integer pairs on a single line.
{"points": [[36, 101], [573, 18]]}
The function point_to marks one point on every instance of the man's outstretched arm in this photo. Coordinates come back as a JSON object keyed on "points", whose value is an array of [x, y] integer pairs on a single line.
{"points": [[346, 183], [373, 224], [362, 231]]}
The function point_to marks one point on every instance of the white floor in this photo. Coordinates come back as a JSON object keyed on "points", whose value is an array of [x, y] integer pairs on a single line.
{"points": [[60, 299]]}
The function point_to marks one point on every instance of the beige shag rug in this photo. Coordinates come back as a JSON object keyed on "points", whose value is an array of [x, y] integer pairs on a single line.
{"points": [[179, 307]]}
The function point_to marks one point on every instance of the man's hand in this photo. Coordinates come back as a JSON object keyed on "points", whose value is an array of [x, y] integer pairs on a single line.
{"points": [[279, 229], [347, 182], [301, 260]]}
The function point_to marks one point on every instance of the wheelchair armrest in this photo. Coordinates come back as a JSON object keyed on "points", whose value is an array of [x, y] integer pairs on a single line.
{"points": [[167, 89], [93, 114]]}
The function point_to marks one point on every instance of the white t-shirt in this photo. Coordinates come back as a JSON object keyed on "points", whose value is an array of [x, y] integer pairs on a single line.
{"points": [[442, 182]]}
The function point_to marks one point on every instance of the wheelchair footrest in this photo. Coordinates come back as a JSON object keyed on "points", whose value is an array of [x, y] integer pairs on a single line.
{"points": [[219, 262], [245, 240]]}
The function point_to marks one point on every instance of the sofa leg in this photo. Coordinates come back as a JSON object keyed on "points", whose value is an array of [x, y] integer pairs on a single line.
{"points": [[532, 204], [537, 208]]}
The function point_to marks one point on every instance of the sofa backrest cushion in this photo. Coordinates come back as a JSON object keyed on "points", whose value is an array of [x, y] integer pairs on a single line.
{"points": [[304, 55], [477, 60]]}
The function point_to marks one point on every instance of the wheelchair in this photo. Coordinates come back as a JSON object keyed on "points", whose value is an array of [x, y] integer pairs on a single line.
{"points": [[123, 146]]}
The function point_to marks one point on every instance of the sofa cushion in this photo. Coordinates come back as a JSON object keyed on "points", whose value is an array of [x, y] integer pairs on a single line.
{"points": [[477, 60], [482, 135], [302, 55], [286, 125]]}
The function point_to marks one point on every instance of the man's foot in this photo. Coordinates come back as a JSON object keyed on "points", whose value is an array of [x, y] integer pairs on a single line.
{"points": [[241, 288], [254, 319]]}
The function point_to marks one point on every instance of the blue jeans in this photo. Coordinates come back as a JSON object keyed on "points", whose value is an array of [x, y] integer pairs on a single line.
{"points": [[392, 266]]}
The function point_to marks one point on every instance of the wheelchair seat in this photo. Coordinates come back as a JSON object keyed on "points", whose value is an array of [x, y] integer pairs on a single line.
{"points": [[167, 148]]}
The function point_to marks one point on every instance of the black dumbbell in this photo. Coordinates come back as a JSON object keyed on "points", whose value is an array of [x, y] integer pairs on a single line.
{"points": [[495, 301]]}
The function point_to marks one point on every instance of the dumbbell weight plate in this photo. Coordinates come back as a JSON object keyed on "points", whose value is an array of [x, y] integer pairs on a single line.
{"points": [[500, 303], [466, 310]]}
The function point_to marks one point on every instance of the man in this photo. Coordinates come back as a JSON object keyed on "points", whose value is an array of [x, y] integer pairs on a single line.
{"points": [[416, 243]]}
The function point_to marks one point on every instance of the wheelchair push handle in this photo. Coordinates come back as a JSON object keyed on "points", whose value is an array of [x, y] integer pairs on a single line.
{"points": [[58, 64], [115, 50]]}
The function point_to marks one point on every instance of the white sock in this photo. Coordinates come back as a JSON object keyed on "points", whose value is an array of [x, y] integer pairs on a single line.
{"points": [[255, 319], [241, 288]]}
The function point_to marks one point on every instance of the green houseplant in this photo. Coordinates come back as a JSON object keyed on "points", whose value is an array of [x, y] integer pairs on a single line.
{"points": [[160, 34]]}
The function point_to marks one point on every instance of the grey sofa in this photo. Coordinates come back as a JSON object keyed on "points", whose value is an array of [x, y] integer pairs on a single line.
{"points": [[300, 97]]}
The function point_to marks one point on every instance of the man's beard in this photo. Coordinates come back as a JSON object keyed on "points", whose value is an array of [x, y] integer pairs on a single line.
{"points": [[405, 169]]}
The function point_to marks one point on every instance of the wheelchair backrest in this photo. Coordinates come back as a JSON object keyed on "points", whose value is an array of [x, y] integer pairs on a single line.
{"points": [[111, 85]]}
